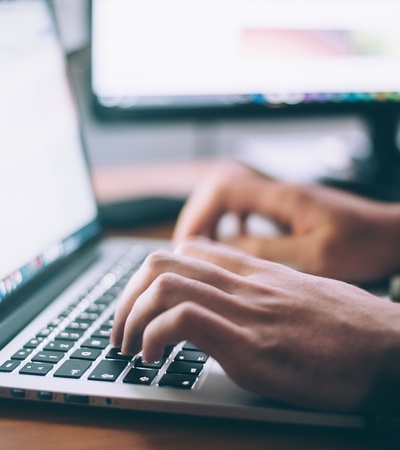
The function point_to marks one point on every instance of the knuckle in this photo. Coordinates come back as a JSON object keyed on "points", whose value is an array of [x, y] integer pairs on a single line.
{"points": [[156, 260], [186, 315], [165, 284]]}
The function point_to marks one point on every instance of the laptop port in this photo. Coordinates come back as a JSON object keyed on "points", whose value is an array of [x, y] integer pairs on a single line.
{"points": [[72, 398], [48, 396], [18, 393]]}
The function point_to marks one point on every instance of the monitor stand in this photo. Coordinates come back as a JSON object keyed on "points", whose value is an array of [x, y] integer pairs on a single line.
{"points": [[383, 124], [378, 176]]}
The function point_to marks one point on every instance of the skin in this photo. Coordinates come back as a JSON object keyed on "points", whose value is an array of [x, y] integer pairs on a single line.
{"points": [[324, 231], [291, 336]]}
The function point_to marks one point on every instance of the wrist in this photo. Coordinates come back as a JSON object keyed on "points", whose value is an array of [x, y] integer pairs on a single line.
{"points": [[387, 392]]}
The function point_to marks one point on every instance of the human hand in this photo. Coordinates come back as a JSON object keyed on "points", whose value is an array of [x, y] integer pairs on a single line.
{"points": [[324, 231], [290, 336]]}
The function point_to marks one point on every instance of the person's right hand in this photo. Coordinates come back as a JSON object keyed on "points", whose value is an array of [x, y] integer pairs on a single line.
{"points": [[325, 232], [286, 335]]}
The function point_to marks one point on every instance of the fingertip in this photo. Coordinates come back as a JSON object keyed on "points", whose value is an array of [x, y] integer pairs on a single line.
{"points": [[151, 356], [127, 350], [114, 341], [151, 352]]}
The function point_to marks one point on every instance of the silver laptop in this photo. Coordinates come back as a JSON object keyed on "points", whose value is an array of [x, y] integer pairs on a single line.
{"points": [[59, 280]]}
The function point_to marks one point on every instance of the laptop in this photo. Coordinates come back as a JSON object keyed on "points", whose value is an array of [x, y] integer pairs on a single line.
{"points": [[60, 278]]}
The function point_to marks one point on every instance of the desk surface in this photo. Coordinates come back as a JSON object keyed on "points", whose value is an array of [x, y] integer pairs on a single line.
{"points": [[52, 427]]}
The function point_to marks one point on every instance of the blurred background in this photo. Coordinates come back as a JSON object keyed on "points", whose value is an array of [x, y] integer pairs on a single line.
{"points": [[323, 106]]}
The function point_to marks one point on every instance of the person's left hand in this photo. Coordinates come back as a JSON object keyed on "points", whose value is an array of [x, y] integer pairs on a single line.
{"points": [[323, 231], [290, 336]]}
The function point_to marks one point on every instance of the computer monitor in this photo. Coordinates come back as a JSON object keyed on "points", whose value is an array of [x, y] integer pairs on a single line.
{"points": [[218, 59], [200, 57]]}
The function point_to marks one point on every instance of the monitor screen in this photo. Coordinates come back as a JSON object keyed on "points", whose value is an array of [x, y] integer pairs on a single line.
{"points": [[47, 206], [166, 54]]}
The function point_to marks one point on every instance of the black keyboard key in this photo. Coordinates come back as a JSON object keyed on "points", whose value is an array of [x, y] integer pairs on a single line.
{"points": [[177, 381], [73, 369], [97, 309], [9, 366], [185, 368], [70, 335], [168, 349], [115, 353], [78, 326], [100, 343], [47, 356], [67, 312], [34, 368], [60, 345], [55, 322], [122, 282], [189, 346], [102, 332], [191, 356], [109, 323], [90, 354], [108, 370], [114, 291], [140, 376], [87, 317], [22, 354], [33, 343], [153, 365], [105, 299], [45, 332]]}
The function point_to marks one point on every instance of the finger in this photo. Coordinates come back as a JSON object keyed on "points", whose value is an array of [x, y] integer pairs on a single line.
{"points": [[207, 204], [274, 200], [219, 254], [200, 215], [163, 262], [210, 332], [219, 194], [168, 291]]}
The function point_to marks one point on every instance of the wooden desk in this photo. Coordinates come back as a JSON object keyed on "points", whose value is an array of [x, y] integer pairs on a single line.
{"points": [[51, 427]]}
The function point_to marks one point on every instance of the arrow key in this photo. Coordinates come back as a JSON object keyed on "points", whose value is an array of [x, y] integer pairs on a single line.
{"points": [[33, 368], [108, 370], [140, 376]]}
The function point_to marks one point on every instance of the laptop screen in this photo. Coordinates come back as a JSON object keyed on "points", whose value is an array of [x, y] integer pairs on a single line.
{"points": [[47, 206]]}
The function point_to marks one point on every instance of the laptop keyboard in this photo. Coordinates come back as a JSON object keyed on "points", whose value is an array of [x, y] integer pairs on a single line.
{"points": [[75, 344]]}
